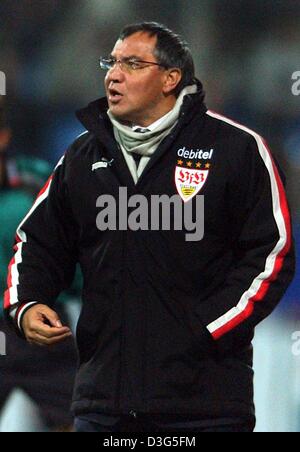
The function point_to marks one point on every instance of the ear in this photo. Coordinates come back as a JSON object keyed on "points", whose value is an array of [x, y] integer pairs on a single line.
{"points": [[173, 77], [5, 135]]}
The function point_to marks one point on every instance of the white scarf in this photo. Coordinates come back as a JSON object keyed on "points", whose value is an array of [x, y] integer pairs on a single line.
{"points": [[146, 143]]}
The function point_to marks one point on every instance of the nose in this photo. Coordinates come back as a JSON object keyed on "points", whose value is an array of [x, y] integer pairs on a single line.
{"points": [[115, 74]]}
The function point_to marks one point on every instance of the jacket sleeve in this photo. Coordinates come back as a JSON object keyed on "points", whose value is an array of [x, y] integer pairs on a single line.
{"points": [[45, 255], [263, 252]]}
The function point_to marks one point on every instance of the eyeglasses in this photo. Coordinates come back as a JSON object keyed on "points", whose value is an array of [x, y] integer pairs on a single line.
{"points": [[126, 64]]}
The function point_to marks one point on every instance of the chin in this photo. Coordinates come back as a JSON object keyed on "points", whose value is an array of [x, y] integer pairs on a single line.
{"points": [[116, 111], [121, 115]]}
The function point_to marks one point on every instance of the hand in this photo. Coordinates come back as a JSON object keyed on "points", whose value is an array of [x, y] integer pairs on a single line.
{"points": [[41, 326]]}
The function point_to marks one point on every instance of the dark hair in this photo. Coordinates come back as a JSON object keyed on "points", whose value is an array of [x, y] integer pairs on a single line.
{"points": [[170, 50]]}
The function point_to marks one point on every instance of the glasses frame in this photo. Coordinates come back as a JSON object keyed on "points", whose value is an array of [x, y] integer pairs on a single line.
{"points": [[108, 63]]}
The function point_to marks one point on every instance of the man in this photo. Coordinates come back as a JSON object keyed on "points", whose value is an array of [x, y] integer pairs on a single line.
{"points": [[27, 373], [165, 331]]}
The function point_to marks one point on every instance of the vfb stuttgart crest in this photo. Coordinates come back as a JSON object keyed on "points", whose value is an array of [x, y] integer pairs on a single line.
{"points": [[189, 181]]}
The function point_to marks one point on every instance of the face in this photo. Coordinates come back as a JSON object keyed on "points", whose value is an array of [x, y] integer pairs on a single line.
{"points": [[139, 96]]}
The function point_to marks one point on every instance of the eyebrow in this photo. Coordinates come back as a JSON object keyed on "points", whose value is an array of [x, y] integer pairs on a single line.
{"points": [[130, 57]]}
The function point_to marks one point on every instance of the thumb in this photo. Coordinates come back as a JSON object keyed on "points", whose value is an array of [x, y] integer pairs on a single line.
{"points": [[52, 317]]}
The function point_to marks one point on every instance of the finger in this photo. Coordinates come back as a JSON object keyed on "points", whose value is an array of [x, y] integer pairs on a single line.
{"points": [[52, 317], [48, 331], [52, 332], [57, 340], [40, 340]]}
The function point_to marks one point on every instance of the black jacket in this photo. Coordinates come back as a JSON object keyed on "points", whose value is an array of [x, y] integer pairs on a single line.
{"points": [[166, 324]]}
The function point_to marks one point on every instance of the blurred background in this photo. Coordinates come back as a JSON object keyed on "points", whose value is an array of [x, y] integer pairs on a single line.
{"points": [[245, 53]]}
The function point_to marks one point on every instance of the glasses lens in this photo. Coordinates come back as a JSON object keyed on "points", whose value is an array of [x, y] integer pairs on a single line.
{"points": [[106, 63]]}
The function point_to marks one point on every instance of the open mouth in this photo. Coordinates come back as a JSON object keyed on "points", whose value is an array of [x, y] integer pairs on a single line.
{"points": [[114, 95]]}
